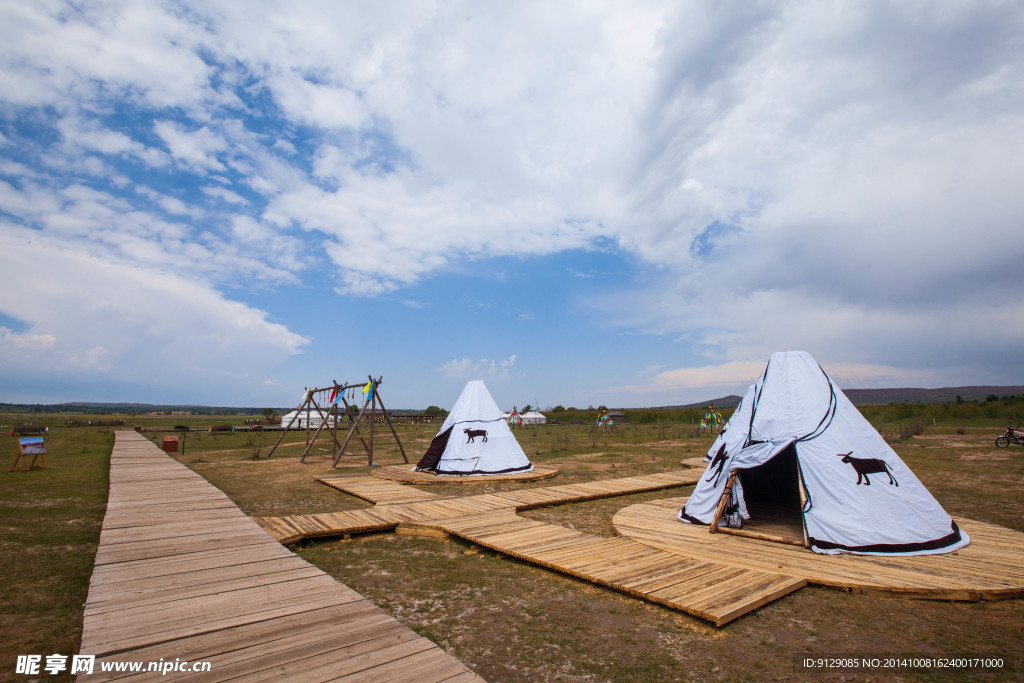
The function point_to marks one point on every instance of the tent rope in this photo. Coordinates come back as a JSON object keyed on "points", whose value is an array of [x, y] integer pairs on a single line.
{"points": [[830, 413], [823, 424], [462, 422]]}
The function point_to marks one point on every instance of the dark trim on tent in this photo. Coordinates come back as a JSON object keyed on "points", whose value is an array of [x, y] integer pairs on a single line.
{"points": [[691, 520], [434, 452], [466, 474], [830, 412], [936, 544], [823, 424], [462, 422]]}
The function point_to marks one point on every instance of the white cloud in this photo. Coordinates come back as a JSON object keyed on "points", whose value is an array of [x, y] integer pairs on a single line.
{"points": [[224, 195], [25, 341], [134, 48], [326, 105], [92, 359], [871, 376], [466, 369], [197, 148], [99, 315], [683, 384], [114, 226], [173, 205], [731, 374], [832, 177]]}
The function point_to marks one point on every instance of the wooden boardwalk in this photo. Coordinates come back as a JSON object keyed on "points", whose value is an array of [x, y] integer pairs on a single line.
{"points": [[408, 475], [714, 591], [182, 573], [397, 503], [387, 492], [990, 568]]}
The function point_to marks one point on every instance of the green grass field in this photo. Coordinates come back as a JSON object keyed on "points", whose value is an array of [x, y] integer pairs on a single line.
{"points": [[509, 620]]}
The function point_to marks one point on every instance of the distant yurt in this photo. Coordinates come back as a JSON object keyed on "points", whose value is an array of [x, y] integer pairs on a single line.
{"points": [[300, 419], [475, 439], [534, 418], [797, 462]]}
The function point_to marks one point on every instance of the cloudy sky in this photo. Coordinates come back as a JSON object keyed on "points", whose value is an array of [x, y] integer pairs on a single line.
{"points": [[631, 203]]}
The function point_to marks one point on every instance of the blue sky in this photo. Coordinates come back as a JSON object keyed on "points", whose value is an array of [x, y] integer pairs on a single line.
{"points": [[623, 203]]}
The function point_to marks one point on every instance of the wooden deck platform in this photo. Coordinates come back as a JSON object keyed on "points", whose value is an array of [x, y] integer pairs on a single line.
{"points": [[182, 573], [388, 492], [991, 567], [406, 474], [397, 503], [714, 591]]}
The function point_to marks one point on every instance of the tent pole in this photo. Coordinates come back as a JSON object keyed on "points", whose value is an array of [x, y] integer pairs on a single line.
{"points": [[388, 419], [323, 423], [761, 537], [803, 503], [355, 427], [321, 413], [723, 502], [373, 415], [310, 443], [307, 419]]}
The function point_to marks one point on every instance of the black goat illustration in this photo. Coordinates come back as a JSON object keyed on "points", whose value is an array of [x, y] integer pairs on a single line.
{"points": [[866, 466], [718, 464], [473, 433]]}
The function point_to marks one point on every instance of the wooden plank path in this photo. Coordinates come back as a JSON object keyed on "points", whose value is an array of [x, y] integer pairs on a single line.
{"points": [[714, 591], [991, 567], [397, 503], [182, 573], [388, 492], [408, 474]]}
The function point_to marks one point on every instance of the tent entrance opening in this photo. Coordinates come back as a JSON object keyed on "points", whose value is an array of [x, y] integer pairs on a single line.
{"points": [[773, 497]]}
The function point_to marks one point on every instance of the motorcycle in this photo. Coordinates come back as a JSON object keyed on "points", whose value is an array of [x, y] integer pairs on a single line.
{"points": [[1011, 436]]}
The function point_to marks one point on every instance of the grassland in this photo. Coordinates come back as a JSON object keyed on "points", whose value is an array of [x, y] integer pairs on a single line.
{"points": [[509, 620]]}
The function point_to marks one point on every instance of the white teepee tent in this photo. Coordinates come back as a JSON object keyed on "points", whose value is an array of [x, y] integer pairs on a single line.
{"points": [[796, 443], [475, 439]]}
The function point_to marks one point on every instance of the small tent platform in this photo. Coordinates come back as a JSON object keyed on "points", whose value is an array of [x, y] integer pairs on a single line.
{"points": [[407, 475], [990, 568]]}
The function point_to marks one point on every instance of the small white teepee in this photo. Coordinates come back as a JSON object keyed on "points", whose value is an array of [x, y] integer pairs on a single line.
{"points": [[799, 447], [475, 439]]}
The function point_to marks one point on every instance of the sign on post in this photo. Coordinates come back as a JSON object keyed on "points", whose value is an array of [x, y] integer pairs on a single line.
{"points": [[30, 445]]}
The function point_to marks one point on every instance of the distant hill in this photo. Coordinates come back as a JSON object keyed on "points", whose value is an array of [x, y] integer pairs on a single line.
{"points": [[730, 401], [142, 408], [857, 396], [868, 397], [943, 395], [129, 408]]}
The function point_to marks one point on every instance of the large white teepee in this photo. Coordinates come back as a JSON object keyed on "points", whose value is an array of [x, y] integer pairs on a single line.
{"points": [[795, 441], [475, 439]]}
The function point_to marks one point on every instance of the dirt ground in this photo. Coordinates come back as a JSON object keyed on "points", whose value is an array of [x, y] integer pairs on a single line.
{"points": [[511, 621]]}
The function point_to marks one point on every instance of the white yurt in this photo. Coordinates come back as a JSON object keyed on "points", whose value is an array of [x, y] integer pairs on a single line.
{"points": [[475, 439], [797, 449]]}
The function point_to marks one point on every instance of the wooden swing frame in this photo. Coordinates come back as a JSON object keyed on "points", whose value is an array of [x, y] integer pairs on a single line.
{"points": [[318, 400]]}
